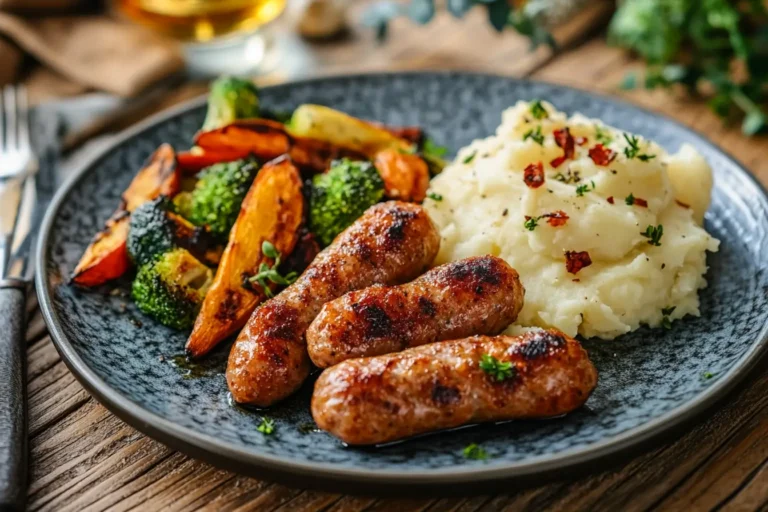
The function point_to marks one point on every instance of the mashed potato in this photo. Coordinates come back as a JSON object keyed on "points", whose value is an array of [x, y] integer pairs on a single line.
{"points": [[608, 212]]}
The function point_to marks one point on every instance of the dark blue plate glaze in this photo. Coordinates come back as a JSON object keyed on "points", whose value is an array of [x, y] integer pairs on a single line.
{"points": [[650, 380]]}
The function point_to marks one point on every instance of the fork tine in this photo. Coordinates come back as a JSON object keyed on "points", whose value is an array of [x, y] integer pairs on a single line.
{"points": [[9, 96], [23, 113]]}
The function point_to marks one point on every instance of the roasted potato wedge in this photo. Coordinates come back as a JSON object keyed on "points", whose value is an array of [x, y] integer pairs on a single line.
{"points": [[340, 129], [272, 211], [106, 258], [406, 176], [197, 159]]}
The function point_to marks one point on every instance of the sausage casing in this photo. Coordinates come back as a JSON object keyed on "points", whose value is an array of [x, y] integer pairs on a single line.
{"points": [[478, 295], [443, 385], [390, 243]]}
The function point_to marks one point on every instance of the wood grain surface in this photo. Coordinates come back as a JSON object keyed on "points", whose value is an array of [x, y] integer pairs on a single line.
{"points": [[84, 458]]}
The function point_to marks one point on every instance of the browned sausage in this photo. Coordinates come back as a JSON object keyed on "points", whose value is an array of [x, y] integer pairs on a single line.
{"points": [[443, 385], [390, 243], [480, 295]]}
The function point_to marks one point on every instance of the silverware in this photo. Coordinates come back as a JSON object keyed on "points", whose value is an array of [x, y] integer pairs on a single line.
{"points": [[19, 217]]}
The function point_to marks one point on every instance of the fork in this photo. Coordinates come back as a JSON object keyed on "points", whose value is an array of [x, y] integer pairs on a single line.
{"points": [[18, 168]]}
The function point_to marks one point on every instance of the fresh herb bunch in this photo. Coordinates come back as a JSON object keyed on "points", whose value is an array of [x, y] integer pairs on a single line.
{"points": [[718, 48], [501, 14]]}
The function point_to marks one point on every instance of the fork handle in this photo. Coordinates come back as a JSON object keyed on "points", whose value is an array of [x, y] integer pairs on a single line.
{"points": [[13, 391]]}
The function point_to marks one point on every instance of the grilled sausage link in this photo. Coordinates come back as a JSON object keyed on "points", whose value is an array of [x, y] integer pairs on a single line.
{"points": [[480, 295], [448, 384], [390, 243]]}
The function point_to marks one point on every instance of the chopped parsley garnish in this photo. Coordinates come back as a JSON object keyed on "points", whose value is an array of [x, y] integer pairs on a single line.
{"points": [[497, 369], [633, 149], [668, 311], [602, 136], [538, 111], [267, 426], [475, 451], [535, 135], [435, 196], [707, 375], [531, 223], [267, 273], [470, 157], [630, 199], [430, 149], [654, 234], [583, 189], [666, 322], [568, 177]]}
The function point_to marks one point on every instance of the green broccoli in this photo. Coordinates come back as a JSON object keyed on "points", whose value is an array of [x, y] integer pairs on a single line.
{"points": [[215, 201], [155, 229], [231, 99], [172, 288], [340, 196]]}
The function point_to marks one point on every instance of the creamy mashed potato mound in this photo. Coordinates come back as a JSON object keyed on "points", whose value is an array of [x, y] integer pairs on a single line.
{"points": [[485, 204]]}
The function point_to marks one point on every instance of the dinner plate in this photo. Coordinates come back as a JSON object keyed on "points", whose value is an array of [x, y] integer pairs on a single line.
{"points": [[650, 380]]}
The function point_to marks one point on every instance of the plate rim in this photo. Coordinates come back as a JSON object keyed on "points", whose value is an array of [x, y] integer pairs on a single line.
{"points": [[204, 446]]}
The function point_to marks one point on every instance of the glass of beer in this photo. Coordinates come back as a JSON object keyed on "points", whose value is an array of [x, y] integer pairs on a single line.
{"points": [[218, 35]]}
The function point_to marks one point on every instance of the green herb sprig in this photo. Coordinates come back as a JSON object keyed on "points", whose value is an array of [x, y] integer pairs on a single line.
{"points": [[435, 196], [497, 369], [475, 452], [267, 426], [584, 188], [469, 157], [538, 111], [272, 274], [535, 135], [654, 234], [633, 149], [531, 223], [666, 322], [602, 136]]}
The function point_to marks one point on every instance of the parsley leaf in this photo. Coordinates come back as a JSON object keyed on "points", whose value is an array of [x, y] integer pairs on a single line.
{"points": [[534, 135], [583, 189], [475, 452], [633, 148], [267, 426], [470, 157], [668, 311], [267, 273], [630, 199], [654, 234], [435, 196], [538, 111], [497, 369], [531, 223], [430, 149], [602, 136], [707, 375]]}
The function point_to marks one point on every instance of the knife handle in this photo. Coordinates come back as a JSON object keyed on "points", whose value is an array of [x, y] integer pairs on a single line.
{"points": [[13, 396]]}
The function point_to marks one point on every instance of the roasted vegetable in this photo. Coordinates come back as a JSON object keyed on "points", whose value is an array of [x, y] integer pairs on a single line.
{"points": [[405, 176], [215, 201], [340, 129], [272, 211], [265, 140], [156, 229], [106, 258], [231, 99], [340, 196], [171, 288], [197, 159]]}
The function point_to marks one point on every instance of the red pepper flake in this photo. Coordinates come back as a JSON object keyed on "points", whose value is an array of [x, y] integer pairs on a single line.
{"points": [[601, 155], [682, 204], [610, 200], [575, 261], [533, 176], [577, 280], [563, 139], [641, 202], [580, 141], [557, 218]]}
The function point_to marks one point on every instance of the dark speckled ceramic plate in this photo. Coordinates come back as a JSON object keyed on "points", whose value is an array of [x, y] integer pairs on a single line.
{"points": [[650, 381]]}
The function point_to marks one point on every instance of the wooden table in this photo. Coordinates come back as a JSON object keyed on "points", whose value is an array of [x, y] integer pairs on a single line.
{"points": [[84, 458]]}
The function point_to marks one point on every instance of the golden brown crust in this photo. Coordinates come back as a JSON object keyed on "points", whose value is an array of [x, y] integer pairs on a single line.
{"points": [[478, 295], [441, 385], [390, 243]]}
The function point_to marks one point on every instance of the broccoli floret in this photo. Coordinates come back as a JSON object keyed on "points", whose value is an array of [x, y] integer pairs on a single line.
{"points": [[230, 99], [155, 229], [171, 288], [215, 201], [340, 196]]}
